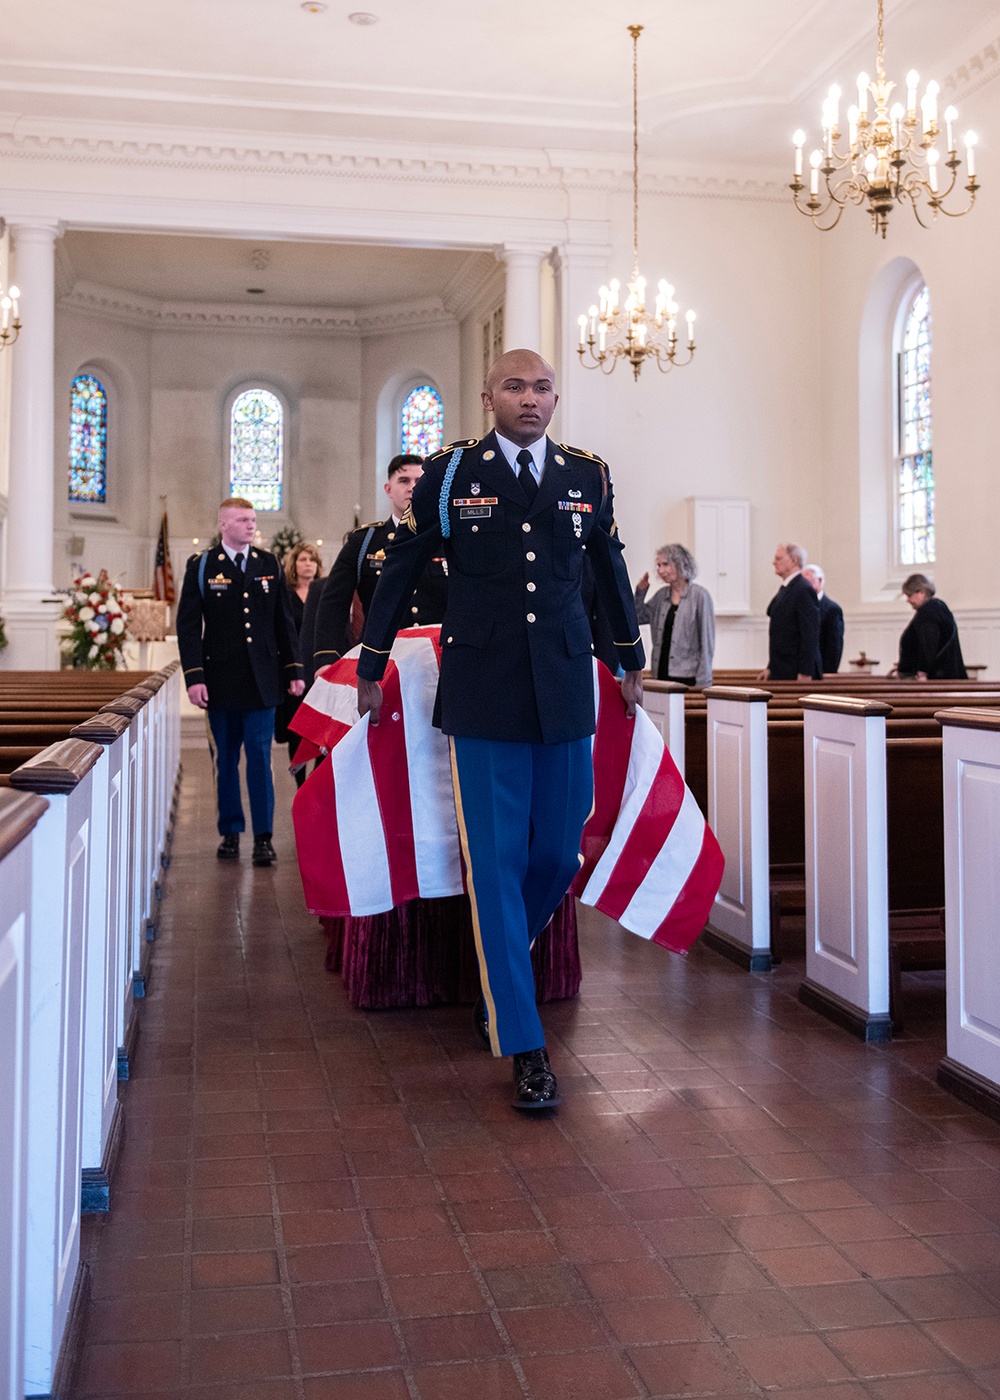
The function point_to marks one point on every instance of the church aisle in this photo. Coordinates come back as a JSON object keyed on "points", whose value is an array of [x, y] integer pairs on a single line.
{"points": [[315, 1203]]}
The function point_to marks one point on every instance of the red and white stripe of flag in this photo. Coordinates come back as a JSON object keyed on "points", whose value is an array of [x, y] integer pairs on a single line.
{"points": [[375, 825]]}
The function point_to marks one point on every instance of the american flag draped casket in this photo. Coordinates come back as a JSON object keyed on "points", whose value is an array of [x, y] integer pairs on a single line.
{"points": [[375, 824]]}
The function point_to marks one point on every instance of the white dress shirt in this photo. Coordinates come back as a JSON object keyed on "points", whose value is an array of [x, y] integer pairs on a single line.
{"points": [[537, 450], [234, 553]]}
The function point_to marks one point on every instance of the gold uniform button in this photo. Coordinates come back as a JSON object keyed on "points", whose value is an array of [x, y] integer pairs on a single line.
{"points": [[451, 639], [530, 556], [475, 529], [414, 610], [526, 528], [249, 639], [246, 610], [246, 595], [531, 617], [246, 624], [531, 588]]}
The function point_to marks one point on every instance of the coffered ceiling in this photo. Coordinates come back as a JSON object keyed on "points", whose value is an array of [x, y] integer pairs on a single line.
{"points": [[722, 81]]}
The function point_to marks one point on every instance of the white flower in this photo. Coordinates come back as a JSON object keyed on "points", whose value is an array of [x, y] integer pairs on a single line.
{"points": [[94, 599], [112, 607], [93, 652], [86, 614], [118, 626], [87, 581], [79, 597]]}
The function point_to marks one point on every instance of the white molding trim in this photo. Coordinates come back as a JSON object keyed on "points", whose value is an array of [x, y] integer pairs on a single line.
{"points": [[125, 144], [148, 313]]}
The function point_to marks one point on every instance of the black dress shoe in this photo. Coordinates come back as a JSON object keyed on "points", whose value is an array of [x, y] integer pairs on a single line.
{"points": [[263, 852], [534, 1083], [229, 847], [481, 1021]]}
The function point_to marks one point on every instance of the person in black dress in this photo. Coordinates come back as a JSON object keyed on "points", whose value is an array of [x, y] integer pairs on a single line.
{"points": [[929, 649], [302, 567]]}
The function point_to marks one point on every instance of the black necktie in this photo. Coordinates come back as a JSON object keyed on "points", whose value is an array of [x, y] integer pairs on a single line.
{"points": [[528, 483], [240, 561]]}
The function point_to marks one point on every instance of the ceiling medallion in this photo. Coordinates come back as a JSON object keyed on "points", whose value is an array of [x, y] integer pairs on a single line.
{"points": [[610, 332], [363, 17], [892, 157]]}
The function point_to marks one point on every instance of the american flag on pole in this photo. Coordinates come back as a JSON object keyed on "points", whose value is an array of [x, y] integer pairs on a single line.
{"points": [[375, 824], [163, 574]]}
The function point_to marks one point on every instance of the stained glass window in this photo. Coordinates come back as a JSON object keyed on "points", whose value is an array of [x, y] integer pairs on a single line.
{"points": [[914, 462], [88, 440], [255, 459], [422, 421]]}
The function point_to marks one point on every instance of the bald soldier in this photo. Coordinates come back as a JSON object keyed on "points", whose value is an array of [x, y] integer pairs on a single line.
{"points": [[513, 515]]}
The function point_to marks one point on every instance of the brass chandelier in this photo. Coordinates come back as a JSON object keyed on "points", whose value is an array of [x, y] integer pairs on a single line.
{"points": [[891, 157], [613, 331]]}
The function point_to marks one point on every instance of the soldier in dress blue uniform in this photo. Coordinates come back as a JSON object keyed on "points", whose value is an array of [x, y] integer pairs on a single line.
{"points": [[513, 515], [240, 656], [359, 564]]}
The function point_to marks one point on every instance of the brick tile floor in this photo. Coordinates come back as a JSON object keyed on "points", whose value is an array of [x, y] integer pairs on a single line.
{"points": [[736, 1199]]}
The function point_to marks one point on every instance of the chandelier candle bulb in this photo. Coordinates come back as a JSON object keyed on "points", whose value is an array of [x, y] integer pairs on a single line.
{"points": [[798, 141], [970, 145], [583, 331], [932, 169], [815, 160], [863, 84], [834, 103], [933, 89], [950, 118], [690, 321], [852, 120], [912, 83]]}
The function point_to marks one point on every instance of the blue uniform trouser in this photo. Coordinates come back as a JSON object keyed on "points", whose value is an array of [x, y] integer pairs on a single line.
{"points": [[252, 730], [521, 812]]}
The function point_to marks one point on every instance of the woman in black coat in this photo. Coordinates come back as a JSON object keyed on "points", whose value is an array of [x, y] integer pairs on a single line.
{"points": [[929, 649], [302, 566]]}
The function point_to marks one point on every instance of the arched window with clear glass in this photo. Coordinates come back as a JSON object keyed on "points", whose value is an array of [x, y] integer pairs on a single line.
{"points": [[88, 441], [914, 454], [422, 421], [256, 448]]}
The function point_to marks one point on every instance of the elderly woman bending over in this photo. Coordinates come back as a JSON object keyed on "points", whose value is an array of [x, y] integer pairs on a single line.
{"points": [[681, 618]]}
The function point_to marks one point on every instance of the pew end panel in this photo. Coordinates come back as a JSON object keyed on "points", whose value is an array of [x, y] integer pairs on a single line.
{"points": [[663, 701], [971, 1066], [739, 926], [847, 902]]}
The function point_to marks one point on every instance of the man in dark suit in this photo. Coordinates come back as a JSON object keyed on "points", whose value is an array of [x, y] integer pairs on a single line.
{"points": [[357, 568], [793, 635], [831, 622], [239, 654], [513, 515]]}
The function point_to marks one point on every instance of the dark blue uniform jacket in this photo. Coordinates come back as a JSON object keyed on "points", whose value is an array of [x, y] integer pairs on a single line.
{"points": [[330, 635], [239, 639], [516, 660], [831, 634]]}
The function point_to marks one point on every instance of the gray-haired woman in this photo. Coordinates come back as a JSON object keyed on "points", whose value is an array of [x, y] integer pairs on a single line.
{"points": [[681, 619]]}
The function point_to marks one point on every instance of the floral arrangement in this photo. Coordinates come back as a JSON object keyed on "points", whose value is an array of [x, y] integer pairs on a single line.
{"points": [[286, 540], [3, 633], [96, 615]]}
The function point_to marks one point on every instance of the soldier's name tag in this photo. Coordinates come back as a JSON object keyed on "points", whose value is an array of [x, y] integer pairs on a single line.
{"points": [[219, 584], [583, 506], [476, 501], [475, 512]]}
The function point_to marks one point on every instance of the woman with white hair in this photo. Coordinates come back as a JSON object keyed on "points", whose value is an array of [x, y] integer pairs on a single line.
{"points": [[681, 618]]}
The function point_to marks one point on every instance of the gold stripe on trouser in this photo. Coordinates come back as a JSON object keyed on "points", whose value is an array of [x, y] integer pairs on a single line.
{"points": [[463, 836]]}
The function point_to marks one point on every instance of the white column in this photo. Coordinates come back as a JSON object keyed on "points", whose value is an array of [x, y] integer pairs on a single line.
{"points": [[740, 924], [31, 494], [847, 894], [971, 1068], [522, 311], [583, 393]]}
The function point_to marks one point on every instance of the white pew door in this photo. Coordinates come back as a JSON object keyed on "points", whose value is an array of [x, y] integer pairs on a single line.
{"points": [[738, 814], [972, 899]]}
